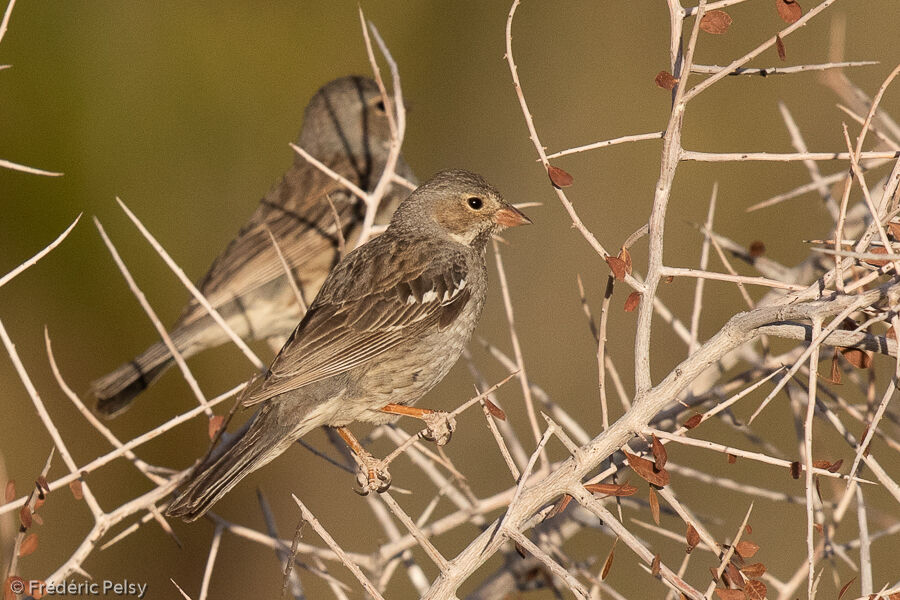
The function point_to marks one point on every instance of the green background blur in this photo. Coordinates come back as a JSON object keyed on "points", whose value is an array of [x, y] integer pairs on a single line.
{"points": [[185, 111]]}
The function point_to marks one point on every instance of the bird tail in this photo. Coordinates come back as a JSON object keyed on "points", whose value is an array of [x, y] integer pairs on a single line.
{"points": [[212, 479], [116, 391]]}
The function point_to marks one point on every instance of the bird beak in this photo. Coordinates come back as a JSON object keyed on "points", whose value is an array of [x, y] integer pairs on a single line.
{"points": [[510, 216]]}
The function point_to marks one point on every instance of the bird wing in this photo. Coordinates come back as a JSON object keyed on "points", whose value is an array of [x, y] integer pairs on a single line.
{"points": [[377, 298], [298, 214]]}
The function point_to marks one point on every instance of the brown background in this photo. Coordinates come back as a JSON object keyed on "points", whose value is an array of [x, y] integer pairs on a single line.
{"points": [[185, 112]]}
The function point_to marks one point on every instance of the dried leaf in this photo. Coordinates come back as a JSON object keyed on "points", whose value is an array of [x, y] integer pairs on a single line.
{"points": [[617, 266], [757, 249], [666, 80], [746, 549], [732, 576], [215, 424], [645, 469], [715, 22], [756, 590], [795, 469], [654, 505], [891, 334], [495, 410], [560, 506], [748, 528], [779, 47], [25, 516], [609, 562], [669, 279], [724, 594], [789, 10], [754, 570], [894, 230], [858, 358], [625, 256], [844, 588], [10, 490], [731, 458], [659, 453], [631, 303], [836, 373], [822, 464], [695, 420], [75, 487], [836, 466], [611, 489], [875, 262], [692, 537], [29, 544], [558, 177], [654, 566]]}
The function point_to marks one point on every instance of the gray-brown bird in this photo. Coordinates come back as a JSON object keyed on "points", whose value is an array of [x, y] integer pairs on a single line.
{"points": [[388, 324], [344, 126]]}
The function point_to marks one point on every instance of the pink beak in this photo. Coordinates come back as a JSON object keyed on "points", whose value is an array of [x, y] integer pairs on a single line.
{"points": [[510, 216]]}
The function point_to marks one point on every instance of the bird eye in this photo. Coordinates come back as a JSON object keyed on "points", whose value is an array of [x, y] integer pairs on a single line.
{"points": [[474, 203]]}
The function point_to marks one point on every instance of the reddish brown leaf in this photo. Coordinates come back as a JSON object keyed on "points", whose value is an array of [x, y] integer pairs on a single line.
{"points": [[715, 22], [754, 570], [731, 458], [844, 588], [10, 490], [12, 587], [779, 47], [659, 453], [654, 505], [746, 549], [609, 561], [560, 506], [495, 410], [29, 544], [631, 303], [789, 10], [891, 334], [666, 80], [692, 537], [876, 262], [75, 487], [836, 373], [25, 516], [669, 279], [858, 358], [795, 469], [724, 594], [756, 590], [757, 249], [559, 178], [617, 266], [822, 464], [732, 576], [611, 489], [626, 258], [654, 566], [894, 230], [748, 528], [215, 424], [836, 466], [645, 469], [695, 420]]}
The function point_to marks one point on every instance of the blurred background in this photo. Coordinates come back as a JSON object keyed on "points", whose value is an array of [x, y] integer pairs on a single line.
{"points": [[185, 111]]}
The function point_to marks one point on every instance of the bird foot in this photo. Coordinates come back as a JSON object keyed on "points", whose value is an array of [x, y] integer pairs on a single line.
{"points": [[439, 427], [372, 475]]}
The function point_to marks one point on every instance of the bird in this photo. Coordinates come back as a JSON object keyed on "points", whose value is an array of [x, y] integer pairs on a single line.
{"points": [[345, 126], [387, 325]]}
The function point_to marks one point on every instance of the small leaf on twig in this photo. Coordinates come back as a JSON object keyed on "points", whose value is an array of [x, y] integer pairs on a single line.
{"points": [[10, 490], [754, 570], [789, 10], [795, 469], [725, 594], [625, 255], [646, 470], [632, 301], [654, 505], [844, 588], [756, 590], [660, 455], [757, 249], [876, 262], [779, 47], [835, 466], [692, 422], [25, 516], [895, 230], [858, 358], [611, 489], [692, 537], [654, 566], [617, 266], [716, 22], [891, 334], [731, 458], [75, 488], [732, 576], [558, 177], [215, 424], [666, 80], [560, 506], [29, 544], [607, 565], [746, 549], [495, 410]]}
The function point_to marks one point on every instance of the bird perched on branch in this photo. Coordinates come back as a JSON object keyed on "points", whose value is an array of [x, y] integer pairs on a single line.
{"points": [[345, 126], [388, 324]]}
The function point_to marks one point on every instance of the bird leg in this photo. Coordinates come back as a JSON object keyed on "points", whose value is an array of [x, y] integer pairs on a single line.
{"points": [[373, 474], [439, 424]]}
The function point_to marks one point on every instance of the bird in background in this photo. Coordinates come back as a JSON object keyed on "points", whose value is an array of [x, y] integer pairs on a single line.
{"points": [[345, 126], [390, 321]]}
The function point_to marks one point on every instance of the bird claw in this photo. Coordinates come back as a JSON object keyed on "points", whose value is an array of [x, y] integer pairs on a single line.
{"points": [[372, 476], [439, 427]]}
